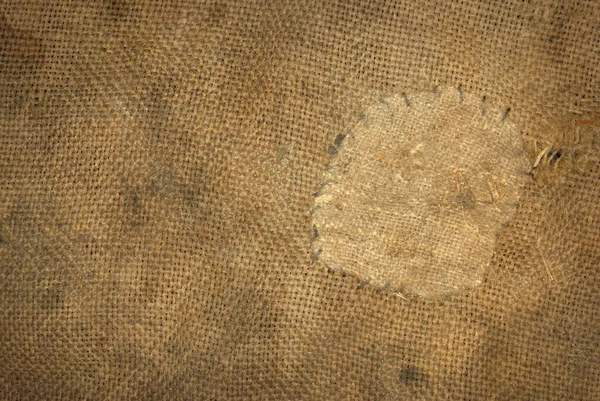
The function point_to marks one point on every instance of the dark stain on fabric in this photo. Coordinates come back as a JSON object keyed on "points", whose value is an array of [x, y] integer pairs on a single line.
{"points": [[187, 195], [134, 207], [412, 374], [216, 13], [22, 58], [161, 185], [250, 321], [190, 195], [466, 199], [558, 19], [154, 113], [118, 9], [189, 380], [40, 261], [53, 297]]}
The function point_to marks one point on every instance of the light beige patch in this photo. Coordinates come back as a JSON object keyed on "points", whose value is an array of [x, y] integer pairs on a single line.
{"points": [[415, 195]]}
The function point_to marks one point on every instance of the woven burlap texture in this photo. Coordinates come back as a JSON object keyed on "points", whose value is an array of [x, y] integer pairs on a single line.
{"points": [[159, 162]]}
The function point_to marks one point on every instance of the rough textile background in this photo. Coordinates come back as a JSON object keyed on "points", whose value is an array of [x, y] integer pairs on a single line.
{"points": [[158, 166]]}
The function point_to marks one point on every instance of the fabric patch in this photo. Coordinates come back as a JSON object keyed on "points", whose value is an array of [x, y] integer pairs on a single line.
{"points": [[415, 195]]}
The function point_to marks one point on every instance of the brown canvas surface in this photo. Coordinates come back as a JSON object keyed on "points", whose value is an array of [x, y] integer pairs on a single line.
{"points": [[159, 162]]}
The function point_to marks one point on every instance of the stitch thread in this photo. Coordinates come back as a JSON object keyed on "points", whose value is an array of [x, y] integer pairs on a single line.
{"points": [[363, 284], [339, 139], [406, 99], [320, 190], [316, 256]]}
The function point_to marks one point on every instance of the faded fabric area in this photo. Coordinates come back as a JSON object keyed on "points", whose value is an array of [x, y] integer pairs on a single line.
{"points": [[416, 194], [159, 162]]}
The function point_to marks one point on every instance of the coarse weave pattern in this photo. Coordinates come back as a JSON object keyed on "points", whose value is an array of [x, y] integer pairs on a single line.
{"points": [[158, 166]]}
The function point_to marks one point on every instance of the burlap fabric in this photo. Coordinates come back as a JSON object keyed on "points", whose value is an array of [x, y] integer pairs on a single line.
{"points": [[160, 164]]}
